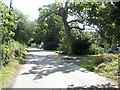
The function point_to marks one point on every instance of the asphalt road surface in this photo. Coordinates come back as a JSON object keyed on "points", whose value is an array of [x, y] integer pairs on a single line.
{"points": [[47, 70]]}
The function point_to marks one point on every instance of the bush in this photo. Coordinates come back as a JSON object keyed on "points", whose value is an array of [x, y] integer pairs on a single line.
{"points": [[106, 65], [50, 46], [11, 50], [81, 46], [104, 58], [33, 45], [64, 45], [94, 49], [109, 68]]}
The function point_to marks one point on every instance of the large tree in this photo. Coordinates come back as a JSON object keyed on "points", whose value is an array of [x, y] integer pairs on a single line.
{"points": [[63, 11], [100, 14]]}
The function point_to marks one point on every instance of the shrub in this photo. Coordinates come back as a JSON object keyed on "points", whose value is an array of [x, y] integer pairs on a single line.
{"points": [[106, 58], [11, 50], [64, 45], [33, 45], [94, 49], [109, 69], [50, 45], [81, 46]]}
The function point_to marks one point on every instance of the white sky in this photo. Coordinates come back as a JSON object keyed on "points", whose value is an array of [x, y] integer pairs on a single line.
{"points": [[29, 7]]}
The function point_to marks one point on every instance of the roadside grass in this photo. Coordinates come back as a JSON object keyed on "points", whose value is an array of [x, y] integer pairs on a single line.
{"points": [[108, 69], [6, 72], [105, 65], [91, 60], [89, 57]]}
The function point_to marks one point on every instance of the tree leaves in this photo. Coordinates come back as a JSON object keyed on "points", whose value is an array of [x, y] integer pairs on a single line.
{"points": [[8, 23]]}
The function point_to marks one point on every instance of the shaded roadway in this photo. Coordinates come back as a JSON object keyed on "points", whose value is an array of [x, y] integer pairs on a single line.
{"points": [[44, 69]]}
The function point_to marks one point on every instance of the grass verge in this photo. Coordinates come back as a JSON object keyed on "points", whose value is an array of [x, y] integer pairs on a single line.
{"points": [[105, 65], [7, 74]]}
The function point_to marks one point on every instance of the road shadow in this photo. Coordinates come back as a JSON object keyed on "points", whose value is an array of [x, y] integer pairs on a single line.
{"points": [[107, 86], [46, 65]]}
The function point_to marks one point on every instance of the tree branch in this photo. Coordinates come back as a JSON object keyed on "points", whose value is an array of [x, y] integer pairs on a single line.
{"points": [[44, 16], [77, 28], [51, 13], [75, 21]]}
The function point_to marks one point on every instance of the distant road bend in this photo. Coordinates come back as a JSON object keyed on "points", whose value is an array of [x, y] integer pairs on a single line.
{"points": [[46, 70]]}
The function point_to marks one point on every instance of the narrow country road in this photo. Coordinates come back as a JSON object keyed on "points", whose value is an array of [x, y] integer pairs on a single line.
{"points": [[46, 70]]}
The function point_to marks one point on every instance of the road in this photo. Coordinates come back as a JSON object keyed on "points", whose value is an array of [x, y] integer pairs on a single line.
{"points": [[47, 70]]}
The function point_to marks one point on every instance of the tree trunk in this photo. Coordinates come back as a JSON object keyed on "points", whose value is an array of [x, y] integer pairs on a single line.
{"points": [[67, 27]]}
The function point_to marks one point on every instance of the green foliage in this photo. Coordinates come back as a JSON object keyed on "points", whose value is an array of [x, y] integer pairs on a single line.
{"points": [[105, 64], [9, 47], [11, 50], [24, 32], [94, 49], [64, 44], [48, 32], [33, 45], [8, 22], [87, 65], [81, 46], [109, 69], [107, 21], [7, 72], [104, 15]]}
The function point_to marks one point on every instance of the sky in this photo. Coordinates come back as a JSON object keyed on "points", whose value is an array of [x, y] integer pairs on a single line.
{"points": [[29, 7]]}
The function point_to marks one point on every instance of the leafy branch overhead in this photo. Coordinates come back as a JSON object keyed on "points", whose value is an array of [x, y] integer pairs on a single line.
{"points": [[76, 16]]}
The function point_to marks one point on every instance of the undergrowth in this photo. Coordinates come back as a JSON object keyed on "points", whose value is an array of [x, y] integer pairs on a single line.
{"points": [[12, 53], [105, 64]]}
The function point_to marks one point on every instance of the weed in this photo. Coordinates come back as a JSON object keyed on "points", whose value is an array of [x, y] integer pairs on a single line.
{"points": [[106, 64]]}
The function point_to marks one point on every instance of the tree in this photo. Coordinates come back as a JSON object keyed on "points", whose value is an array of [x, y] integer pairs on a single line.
{"points": [[10, 49], [105, 15], [88, 14], [48, 31], [63, 12], [8, 22], [25, 28]]}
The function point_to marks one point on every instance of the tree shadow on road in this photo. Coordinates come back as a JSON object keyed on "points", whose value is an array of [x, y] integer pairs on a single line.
{"points": [[107, 86], [46, 65], [49, 64]]}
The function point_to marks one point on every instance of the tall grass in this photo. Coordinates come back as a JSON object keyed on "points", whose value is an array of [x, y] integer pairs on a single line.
{"points": [[12, 53], [105, 64]]}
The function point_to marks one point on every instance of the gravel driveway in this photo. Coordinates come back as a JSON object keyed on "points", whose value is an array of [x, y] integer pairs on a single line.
{"points": [[46, 70]]}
